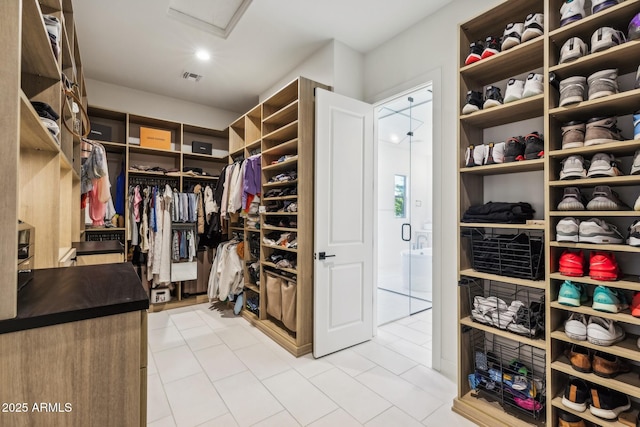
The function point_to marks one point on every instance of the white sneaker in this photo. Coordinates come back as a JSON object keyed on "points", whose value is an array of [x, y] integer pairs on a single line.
{"points": [[533, 85], [533, 26], [597, 231], [634, 234], [474, 156], [576, 327], [635, 166], [512, 35], [604, 165], [494, 153], [571, 11], [636, 205], [605, 38], [573, 49], [573, 168], [514, 90], [479, 154], [603, 332], [598, 5], [568, 230]]}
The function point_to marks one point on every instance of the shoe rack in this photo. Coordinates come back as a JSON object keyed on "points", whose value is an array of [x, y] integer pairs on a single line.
{"points": [[283, 125], [542, 54]]}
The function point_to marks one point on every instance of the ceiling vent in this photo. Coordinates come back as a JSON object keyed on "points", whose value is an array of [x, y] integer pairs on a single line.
{"points": [[192, 77], [218, 17]]}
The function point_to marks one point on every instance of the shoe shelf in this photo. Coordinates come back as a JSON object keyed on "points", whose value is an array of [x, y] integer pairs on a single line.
{"points": [[631, 283], [618, 147], [615, 57], [538, 343], [587, 415], [37, 55], [619, 104], [627, 349], [624, 180], [517, 60], [283, 148], [617, 17], [627, 383], [597, 214], [538, 284], [522, 109], [505, 168], [505, 226], [623, 316], [596, 247]]}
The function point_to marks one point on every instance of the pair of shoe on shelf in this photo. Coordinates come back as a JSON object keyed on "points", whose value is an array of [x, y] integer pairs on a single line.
{"points": [[602, 265], [579, 88], [605, 298], [597, 231], [515, 90], [514, 34], [517, 148], [595, 131], [602, 39], [603, 199], [600, 363], [573, 10], [602, 401], [597, 330]]}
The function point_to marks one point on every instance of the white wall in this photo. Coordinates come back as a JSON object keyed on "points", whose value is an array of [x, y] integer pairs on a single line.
{"points": [[124, 99], [426, 50]]}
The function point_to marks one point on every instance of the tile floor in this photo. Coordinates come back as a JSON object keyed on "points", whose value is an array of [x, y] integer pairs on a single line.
{"points": [[210, 368]]}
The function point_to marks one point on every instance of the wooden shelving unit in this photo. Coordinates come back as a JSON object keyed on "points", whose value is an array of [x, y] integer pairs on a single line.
{"points": [[543, 53]]}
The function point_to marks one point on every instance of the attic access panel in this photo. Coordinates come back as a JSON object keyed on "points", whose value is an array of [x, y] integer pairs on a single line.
{"points": [[218, 17]]}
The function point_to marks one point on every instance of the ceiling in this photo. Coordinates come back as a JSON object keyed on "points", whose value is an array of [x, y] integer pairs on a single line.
{"points": [[137, 44]]}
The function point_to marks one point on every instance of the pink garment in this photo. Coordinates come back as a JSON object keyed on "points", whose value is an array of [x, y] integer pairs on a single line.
{"points": [[97, 209], [137, 199]]}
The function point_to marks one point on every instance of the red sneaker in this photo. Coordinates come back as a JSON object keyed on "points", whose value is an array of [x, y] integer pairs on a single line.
{"points": [[603, 266], [572, 263], [635, 305]]}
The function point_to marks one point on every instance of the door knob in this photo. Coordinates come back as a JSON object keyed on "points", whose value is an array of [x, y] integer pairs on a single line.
{"points": [[323, 255]]}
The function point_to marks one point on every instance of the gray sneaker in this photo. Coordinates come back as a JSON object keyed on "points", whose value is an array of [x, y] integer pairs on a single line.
{"points": [[572, 90], [595, 230], [572, 200], [568, 230], [573, 135], [601, 130], [572, 49], [603, 83], [605, 199], [604, 165], [573, 167]]}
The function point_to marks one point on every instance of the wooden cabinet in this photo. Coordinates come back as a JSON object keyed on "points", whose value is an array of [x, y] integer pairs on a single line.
{"points": [[542, 55], [282, 129], [40, 173]]}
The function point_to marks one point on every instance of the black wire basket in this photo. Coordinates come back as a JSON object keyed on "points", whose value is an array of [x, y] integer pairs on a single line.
{"points": [[511, 373], [518, 255]]}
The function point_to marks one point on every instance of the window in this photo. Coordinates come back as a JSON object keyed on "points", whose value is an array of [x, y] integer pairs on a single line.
{"points": [[400, 194]]}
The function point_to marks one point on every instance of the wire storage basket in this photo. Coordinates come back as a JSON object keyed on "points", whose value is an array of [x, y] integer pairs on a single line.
{"points": [[510, 373], [515, 255], [518, 309]]}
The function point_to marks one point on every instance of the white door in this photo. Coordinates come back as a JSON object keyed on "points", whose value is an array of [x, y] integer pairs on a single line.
{"points": [[343, 286]]}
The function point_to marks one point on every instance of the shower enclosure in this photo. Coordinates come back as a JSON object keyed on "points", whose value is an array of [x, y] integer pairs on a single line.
{"points": [[405, 186]]}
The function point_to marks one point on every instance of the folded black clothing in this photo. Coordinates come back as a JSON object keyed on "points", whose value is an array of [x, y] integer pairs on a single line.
{"points": [[44, 110], [499, 212], [190, 169]]}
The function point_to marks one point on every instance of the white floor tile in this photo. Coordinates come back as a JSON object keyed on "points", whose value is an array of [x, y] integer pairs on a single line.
{"points": [[412, 351], [338, 418], [407, 320], [432, 382], [237, 337], [359, 401], [151, 363], [384, 357], [159, 320], [261, 361], [187, 320], [428, 345], [383, 337], [225, 420], [350, 362], [281, 419], [307, 365], [219, 362], [422, 326], [164, 422], [157, 404], [444, 416], [162, 339], [218, 320], [176, 363], [194, 400], [200, 337], [393, 417], [247, 399], [406, 396], [407, 333], [301, 398]]}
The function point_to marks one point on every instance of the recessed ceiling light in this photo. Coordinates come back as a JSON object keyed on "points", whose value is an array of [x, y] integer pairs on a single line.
{"points": [[203, 55]]}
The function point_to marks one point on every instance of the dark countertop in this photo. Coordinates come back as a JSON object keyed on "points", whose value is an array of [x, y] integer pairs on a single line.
{"points": [[98, 248], [70, 294]]}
